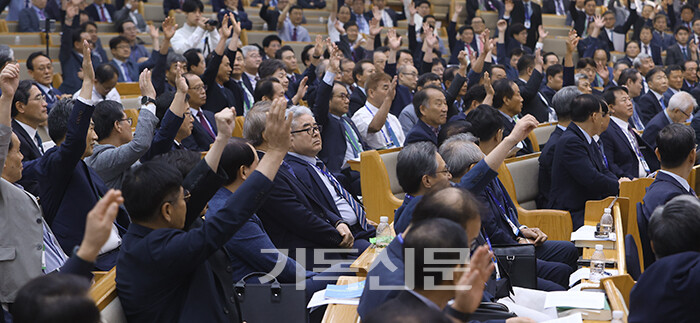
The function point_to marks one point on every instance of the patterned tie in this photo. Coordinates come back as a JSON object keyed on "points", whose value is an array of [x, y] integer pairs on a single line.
{"points": [[599, 147], [359, 211], [205, 124], [37, 138], [661, 101], [351, 137], [685, 53], [635, 146]]}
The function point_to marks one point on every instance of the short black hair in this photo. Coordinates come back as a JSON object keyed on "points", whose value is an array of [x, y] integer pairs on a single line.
{"points": [[83, 26], [349, 24], [553, 70], [21, 95], [653, 72], [486, 122], [434, 205], [146, 187], [449, 74], [184, 160], [452, 128], [265, 88], [609, 94], [586, 61], [268, 67], [55, 298], [503, 89], [192, 6], [465, 27], [32, 56], [404, 51], [58, 119], [675, 142], [305, 54], [672, 68], [192, 57], [583, 106], [285, 48], [295, 7], [359, 69], [173, 58], [427, 77], [422, 97], [105, 72], [270, 38], [414, 161], [120, 25], [515, 52], [115, 41], [628, 74], [475, 93], [437, 245], [675, 226], [516, 28], [687, 7], [106, 113], [75, 35], [526, 61], [237, 153], [420, 2], [545, 55]]}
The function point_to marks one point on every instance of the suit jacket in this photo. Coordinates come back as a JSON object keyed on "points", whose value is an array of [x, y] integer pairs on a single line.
{"points": [[421, 131], [578, 18], [669, 93], [544, 179], [619, 32], [548, 6], [51, 99], [622, 159], [372, 298], [71, 61], [200, 140], [403, 97], [92, 11], [29, 21], [163, 140], [663, 40], [170, 5], [131, 68], [655, 52], [247, 83], [518, 15], [69, 188], [547, 92], [358, 98], [508, 128], [160, 84], [240, 15], [123, 15], [407, 303], [270, 16], [345, 47], [578, 175], [659, 295], [674, 55], [662, 190], [649, 107], [218, 96], [30, 151], [333, 134], [456, 45], [532, 102], [653, 127], [695, 124]]}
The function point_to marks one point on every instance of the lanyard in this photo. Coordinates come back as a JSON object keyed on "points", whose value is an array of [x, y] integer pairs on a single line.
{"points": [[506, 215], [394, 143], [635, 147], [352, 139]]}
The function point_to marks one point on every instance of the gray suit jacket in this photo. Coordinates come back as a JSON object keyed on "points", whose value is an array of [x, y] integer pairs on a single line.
{"points": [[111, 163], [21, 232]]}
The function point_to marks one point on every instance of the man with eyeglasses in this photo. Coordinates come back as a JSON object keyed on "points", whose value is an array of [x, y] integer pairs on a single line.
{"points": [[127, 68], [29, 110], [204, 125], [430, 106], [628, 154], [40, 68], [408, 79], [679, 110], [139, 53]]}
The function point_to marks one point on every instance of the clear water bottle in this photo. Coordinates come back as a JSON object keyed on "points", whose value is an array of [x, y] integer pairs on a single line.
{"points": [[265, 26], [606, 221], [617, 317], [597, 264], [384, 235]]}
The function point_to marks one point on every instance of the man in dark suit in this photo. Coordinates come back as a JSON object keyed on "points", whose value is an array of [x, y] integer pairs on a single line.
{"points": [[177, 242], [673, 230], [204, 125], [459, 40], [557, 7], [561, 102], [172, 5], [680, 52], [127, 69], [529, 14], [582, 19], [690, 75], [674, 73], [32, 19], [648, 46], [68, 187], [431, 109], [70, 54], [101, 11], [652, 103], [580, 170], [660, 37], [408, 80], [271, 15], [362, 70], [628, 154], [509, 103], [40, 68], [130, 13], [530, 72], [237, 11], [555, 81], [28, 112], [613, 37], [429, 299], [679, 110]]}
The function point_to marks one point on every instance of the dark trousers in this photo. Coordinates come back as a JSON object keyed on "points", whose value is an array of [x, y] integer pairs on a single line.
{"points": [[556, 260]]}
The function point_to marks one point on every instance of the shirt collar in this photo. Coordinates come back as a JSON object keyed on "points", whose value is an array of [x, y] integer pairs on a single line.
{"points": [[507, 116], [118, 61], [678, 179], [31, 131], [585, 134], [657, 95], [561, 127], [371, 107], [667, 117], [43, 87], [622, 123], [310, 160]]}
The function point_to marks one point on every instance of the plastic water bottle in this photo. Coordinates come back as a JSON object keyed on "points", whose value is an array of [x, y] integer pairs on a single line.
{"points": [[597, 264], [384, 235], [606, 221], [617, 317]]}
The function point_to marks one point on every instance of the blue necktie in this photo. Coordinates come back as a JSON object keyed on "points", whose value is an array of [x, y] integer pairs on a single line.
{"points": [[359, 211]]}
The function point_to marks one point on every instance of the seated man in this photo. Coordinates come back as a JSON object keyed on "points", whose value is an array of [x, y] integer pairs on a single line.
{"points": [[118, 149], [657, 295], [431, 108], [628, 154], [652, 103], [40, 68], [377, 126], [100, 11], [291, 29], [28, 113], [561, 103], [70, 56], [157, 241], [138, 53], [580, 170], [556, 260], [529, 81], [203, 132], [408, 117], [68, 187], [509, 103], [176, 121], [106, 78], [679, 109], [130, 12], [127, 69], [33, 18]]}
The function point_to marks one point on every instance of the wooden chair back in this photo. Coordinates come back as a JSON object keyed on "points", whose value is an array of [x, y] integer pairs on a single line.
{"points": [[693, 179], [238, 131], [134, 115], [128, 88], [377, 195], [618, 289], [535, 143], [634, 191]]}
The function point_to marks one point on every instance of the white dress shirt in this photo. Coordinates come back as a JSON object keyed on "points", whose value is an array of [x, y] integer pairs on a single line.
{"points": [[678, 179], [112, 95], [624, 127], [193, 37], [380, 139]]}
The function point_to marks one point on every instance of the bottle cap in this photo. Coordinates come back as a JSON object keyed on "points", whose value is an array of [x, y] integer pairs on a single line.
{"points": [[607, 210], [617, 315], [384, 219], [598, 247]]}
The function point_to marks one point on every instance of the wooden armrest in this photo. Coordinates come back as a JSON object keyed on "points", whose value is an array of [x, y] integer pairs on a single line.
{"points": [[556, 224]]}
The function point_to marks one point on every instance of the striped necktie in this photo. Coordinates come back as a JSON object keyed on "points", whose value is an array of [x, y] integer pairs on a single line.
{"points": [[359, 210]]}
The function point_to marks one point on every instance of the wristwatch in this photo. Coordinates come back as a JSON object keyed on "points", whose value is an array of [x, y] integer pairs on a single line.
{"points": [[145, 100]]}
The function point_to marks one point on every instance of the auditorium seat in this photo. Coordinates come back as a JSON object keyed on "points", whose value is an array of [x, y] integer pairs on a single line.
{"points": [[519, 177], [104, 293], [238, 131], [542, 133], [134, 115], [381, 192], [618, 289], [634, 191], [128, 88]]}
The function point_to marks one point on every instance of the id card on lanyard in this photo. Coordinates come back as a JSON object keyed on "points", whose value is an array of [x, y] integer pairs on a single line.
{"points": [[506, 213]]}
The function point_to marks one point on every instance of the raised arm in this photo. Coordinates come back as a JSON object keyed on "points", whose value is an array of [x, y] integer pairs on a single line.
{"points": [[380, 117], [283, 15], [9, 80], [522, 128]]}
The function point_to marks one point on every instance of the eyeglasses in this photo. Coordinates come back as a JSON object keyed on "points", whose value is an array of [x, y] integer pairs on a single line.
{"points": [[123, 47], [410, 74], [186, 195], [309, 130], [686, 114], [199, 88], [128, 120], [343, 96], [446, 170], [39, 97]]}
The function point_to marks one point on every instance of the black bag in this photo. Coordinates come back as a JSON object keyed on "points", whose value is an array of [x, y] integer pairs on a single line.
{"points": [[518, 263], [272, 302], [491, 311]]}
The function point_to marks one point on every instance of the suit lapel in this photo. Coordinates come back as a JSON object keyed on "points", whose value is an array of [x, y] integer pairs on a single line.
{"points": [[594, 155], [17, 128], [305, 177]]}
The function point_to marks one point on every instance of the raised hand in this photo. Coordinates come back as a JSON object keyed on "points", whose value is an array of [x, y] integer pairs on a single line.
{"points": [[487, 84], [318, 46], [412, 9], [542, 32], [470, 286], [235, 24], [301, 91], [603, 71], [572, 41], [458, 8], [9, 79], [339, 27], [169, 27], [180, 81], [598, 22], [392, 90], [277, 132], [539, 61], [98, 225], [485, 40], [430, 40], [502, 25], [152, 31], [226, 28], [225, 122], [523, 127], [88, 71], [146, 85], [374, 27], [394, 40], [463, 59]]}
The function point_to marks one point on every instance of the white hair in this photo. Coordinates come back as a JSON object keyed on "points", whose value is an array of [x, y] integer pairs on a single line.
{"points": [[680, 101]]}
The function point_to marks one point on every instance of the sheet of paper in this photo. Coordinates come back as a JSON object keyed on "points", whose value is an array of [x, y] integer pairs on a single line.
{"points": [[345, 291], [530, 299], [573, 299], [523, 311], [318, 299], [585, 272], [587, 232], [575, 318]]}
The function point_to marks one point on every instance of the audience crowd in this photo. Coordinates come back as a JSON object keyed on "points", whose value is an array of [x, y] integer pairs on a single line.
{"points": [[184, 210]]}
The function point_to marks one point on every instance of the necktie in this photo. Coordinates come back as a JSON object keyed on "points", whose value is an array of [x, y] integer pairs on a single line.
{"points": [[636, 121], [560, 10], [646, 49], [692, 192], [50, 96], [685, 53], [661, 101], [204, 123], [359, 211], [37, 138], [102, 14], [294, 34], [127, 77], [293, 78], [635, 146], [351, 137], [599, 147], [42, 17]]}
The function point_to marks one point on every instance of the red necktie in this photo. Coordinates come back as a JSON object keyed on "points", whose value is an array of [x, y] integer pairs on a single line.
{"points": [[204, 123], [102, 14]]}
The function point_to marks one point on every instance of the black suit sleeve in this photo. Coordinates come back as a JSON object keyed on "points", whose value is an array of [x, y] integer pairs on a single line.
{"points": [[202, 182]]}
